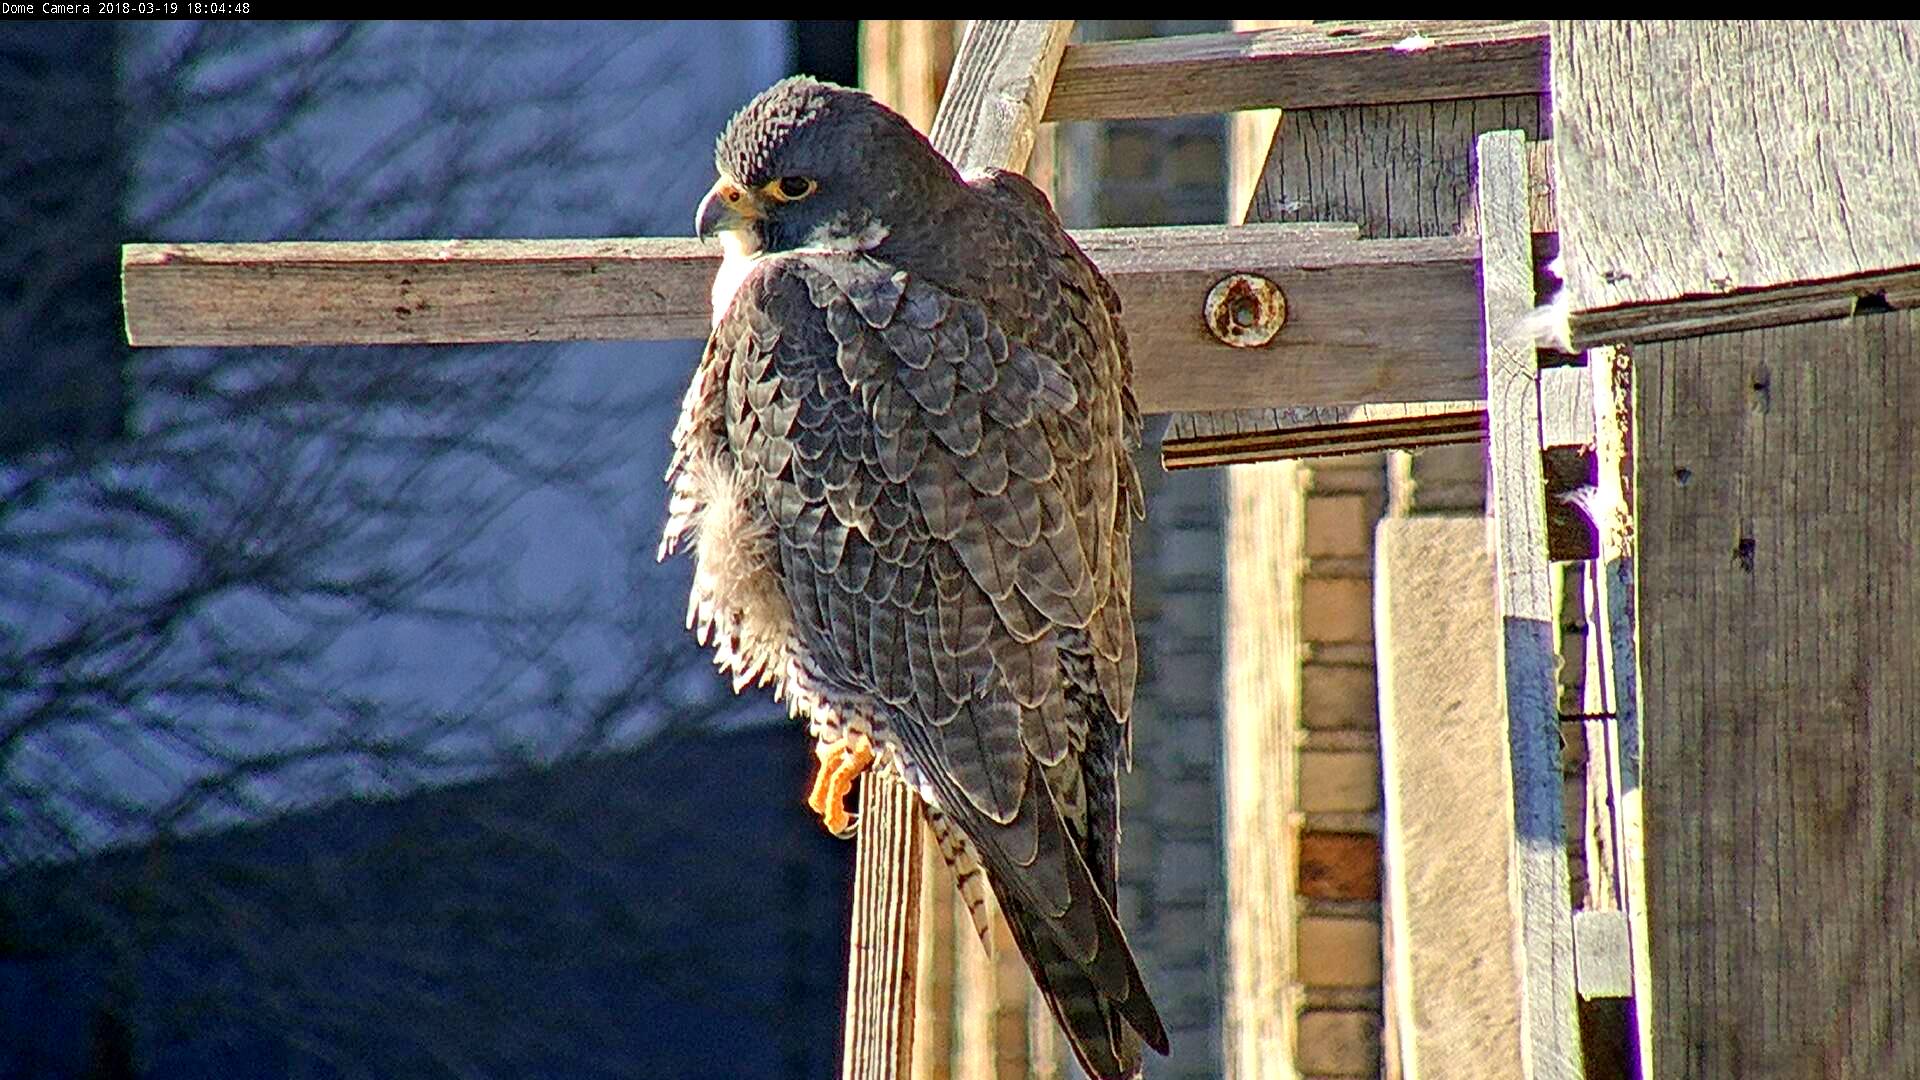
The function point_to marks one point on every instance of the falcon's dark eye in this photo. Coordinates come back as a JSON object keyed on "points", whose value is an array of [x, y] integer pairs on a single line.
{"points": [[791, 188]]}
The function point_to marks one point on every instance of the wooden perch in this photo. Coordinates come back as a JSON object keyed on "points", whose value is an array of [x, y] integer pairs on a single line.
{"points": [[1544, 918], [1368, 320]]}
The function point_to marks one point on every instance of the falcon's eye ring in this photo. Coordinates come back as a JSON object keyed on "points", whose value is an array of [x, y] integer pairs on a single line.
{"points": [[790, 188]]}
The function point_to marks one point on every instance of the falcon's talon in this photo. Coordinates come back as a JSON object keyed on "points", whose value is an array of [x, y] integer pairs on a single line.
{"points": [[840, 762]]}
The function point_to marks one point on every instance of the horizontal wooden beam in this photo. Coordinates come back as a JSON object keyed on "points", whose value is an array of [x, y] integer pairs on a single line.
{"points": [[1367, 320], [1359, 63], [417, 292], [1753, 309], [1732, 175], [1331, 430], [1205, 440]]}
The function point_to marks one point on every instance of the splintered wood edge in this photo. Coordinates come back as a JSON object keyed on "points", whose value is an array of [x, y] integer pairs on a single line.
{"points": [[1752, 309], [1361, 63]]}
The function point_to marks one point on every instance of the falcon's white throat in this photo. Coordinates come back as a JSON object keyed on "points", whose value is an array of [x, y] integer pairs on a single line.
{"points": [[740, 259], [735, 265]]}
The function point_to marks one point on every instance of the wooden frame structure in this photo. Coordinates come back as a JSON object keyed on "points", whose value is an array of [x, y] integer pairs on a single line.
{"points": [[1761, 422]]}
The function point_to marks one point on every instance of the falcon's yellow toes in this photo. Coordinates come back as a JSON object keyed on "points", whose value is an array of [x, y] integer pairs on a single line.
{"points": [[840, 762]]}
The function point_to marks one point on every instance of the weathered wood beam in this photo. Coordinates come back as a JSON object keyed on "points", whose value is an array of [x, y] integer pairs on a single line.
{"points": [[1777, 507], [1322, 166], [883, 947], [1528, 627], [417, 292], [1357, 63], [1266, 540], [1333, 429], [1368, 321], [1448, 806], [1733, 175]]}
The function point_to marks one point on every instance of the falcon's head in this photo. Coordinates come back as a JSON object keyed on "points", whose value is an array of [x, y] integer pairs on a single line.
{"points": [[808, 164]]}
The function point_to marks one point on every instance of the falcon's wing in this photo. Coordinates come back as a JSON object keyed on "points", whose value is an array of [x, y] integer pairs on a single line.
{"points": [[929, 478]]}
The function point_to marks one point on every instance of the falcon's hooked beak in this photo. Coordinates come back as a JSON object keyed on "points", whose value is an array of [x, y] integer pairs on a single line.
{"points": [[728, 207]]}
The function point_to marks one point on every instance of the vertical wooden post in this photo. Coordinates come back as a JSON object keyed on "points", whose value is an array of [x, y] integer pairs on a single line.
{"points": [[1527, 615], [994, 100], [1265, 523], [883, 950], [1449, 807], [1265, 534]]}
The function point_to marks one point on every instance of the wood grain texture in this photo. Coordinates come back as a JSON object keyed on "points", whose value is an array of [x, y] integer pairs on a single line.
{"points": [[1455, 977], [998, 91], [1752, 309], [1307, 431], [1393, 171], [1342, 295], [1778, 505], [986, 120], [992, 988], [1526, 613], [417, 292], [904, 64], [942, 928], [1612, 372], [428, 291], [882, 958], [1266, 534], [1354, 63], [1698, 159]]}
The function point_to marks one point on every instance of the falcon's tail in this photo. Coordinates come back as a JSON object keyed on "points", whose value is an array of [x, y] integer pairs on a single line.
{"points": [[1101, 1031]]}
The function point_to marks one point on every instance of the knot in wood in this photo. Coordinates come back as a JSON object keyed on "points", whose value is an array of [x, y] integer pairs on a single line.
{"points": [[1245, 310]]}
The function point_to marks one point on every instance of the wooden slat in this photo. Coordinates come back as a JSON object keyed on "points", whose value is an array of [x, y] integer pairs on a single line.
{"points": [[1266, 539], [1324, 165], [1448, 811], [994, 98], [1358, 63], [1611, 370], [1393, 323], [417, 292], [1528, 629], [1697, 160], [934, 990], [1333, 429], [1752, 309], [882, 960], [1368, 321], [1778, 504], [1001, 81]]}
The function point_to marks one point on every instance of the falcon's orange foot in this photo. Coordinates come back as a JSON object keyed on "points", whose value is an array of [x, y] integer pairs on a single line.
{"points": [[840, 762]]}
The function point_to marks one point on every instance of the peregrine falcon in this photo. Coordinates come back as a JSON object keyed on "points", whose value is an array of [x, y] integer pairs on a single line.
{"points": [[902, 469]]}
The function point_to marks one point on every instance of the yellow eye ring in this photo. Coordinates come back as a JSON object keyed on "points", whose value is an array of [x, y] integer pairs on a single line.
{"points": [[790, 188]]}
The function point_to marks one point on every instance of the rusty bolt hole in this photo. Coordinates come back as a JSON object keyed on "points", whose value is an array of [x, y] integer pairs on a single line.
{"points": [[1245, 310]]}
